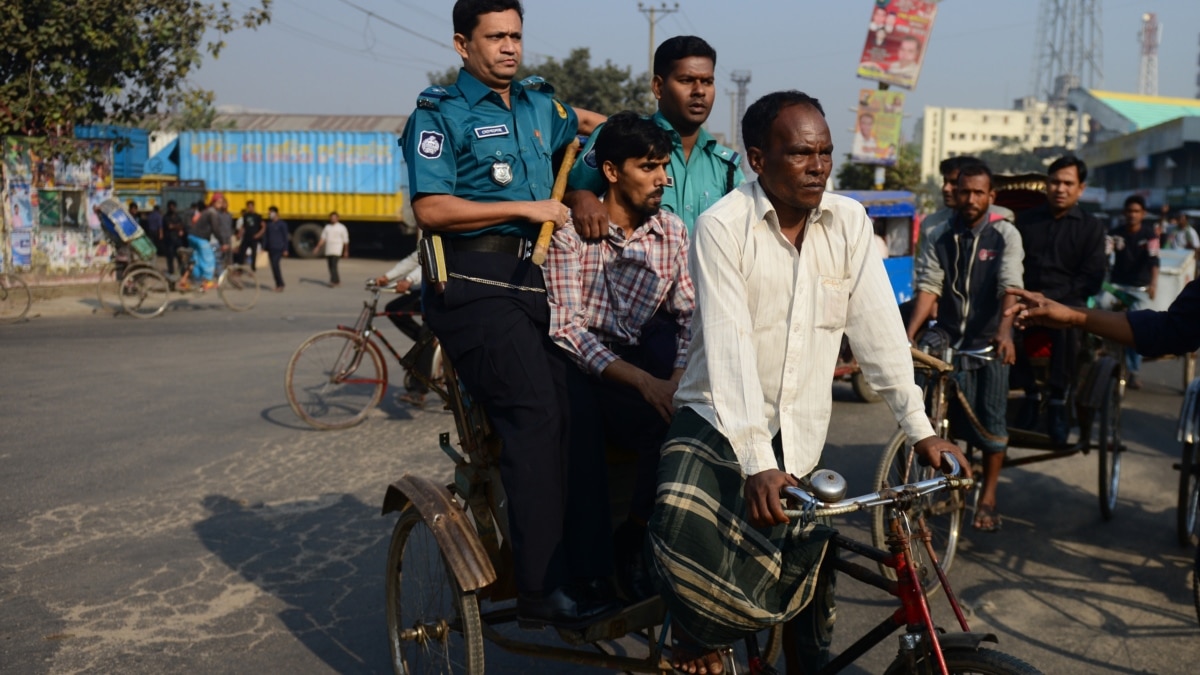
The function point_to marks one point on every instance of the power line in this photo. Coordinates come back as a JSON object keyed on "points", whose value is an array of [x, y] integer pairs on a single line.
{"points": [[393, 24], [654, 15]]}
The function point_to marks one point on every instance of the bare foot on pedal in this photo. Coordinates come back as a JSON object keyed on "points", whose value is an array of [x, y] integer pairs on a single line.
{"points": [[688, 656]]}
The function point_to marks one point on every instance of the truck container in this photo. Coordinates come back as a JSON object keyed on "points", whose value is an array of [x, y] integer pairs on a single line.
{"points": [[306, 175]]}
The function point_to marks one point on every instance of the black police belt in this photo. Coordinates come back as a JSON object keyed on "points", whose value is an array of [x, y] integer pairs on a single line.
{"points": [[493, 243], [517, 246]]}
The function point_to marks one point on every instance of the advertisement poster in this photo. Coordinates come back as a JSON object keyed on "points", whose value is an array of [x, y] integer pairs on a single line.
{"points": [[877, 127], [896, 41], [22, 248], [20, 205]]}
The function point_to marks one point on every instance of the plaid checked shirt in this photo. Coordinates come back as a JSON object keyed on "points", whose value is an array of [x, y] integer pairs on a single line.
{"points": [[604, 291]]}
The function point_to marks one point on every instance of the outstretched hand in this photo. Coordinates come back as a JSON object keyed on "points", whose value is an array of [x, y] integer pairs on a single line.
{"points": [[1035, 309]]}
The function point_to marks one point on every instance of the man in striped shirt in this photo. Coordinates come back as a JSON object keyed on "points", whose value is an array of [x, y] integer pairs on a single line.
{"points": [[621, 309]]}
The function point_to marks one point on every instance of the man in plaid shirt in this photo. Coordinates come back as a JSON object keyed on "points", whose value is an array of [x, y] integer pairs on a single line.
{"points": [[621, 309]]}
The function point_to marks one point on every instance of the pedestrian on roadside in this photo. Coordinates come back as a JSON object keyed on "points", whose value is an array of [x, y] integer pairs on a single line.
{"points": [[154, 228], [1135, 269], [275, 240], [335, 239], [174, 235], [250, 234]]}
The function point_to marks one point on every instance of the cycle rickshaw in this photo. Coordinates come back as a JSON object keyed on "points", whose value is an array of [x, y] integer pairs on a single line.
{"points": [[1093, 404], [450, 582]]}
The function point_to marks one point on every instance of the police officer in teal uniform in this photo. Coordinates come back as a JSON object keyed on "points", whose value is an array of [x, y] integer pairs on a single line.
{"points": [[701, 171], [480, 176]]}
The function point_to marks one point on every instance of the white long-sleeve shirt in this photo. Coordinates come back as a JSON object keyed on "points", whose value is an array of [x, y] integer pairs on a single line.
{"points": [[769, 321], [408, 269]]}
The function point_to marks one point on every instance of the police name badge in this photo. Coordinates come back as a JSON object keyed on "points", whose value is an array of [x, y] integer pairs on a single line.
{"points": [[502, 173], [670, 181], [430, 146]]}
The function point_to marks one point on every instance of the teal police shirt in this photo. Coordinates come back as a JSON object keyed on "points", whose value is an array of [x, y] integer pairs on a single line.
{"points": [[693, 185], [463, 141]]}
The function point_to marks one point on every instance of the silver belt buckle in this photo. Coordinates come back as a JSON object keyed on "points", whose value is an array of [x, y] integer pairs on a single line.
{"points": [[525, 252]]}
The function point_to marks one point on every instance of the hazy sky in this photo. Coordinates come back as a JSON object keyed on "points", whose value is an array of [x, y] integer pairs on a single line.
{"points": [[324, 56]]}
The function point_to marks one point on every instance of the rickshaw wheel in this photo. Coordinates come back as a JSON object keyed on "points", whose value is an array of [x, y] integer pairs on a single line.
{"points": [[433, 624], [1108, 445], [1189, 369], [144, 292], [942, 511], [1187, 515]]}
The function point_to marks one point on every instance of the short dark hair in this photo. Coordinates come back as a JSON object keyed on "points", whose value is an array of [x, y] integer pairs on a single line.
{"points": [[975, 168], [1066, 162], [466, 13], [628, 135], [952, 164], [1136, 199], [681, 47], [333, 213], [756, 124], [249, 202], [170, 203], [272, 208]]}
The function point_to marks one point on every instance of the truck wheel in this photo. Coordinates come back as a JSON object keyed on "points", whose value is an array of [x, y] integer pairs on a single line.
{"points": [[304, 240]]}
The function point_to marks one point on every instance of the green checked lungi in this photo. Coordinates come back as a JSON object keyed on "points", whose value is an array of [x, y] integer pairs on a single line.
{"points": [[722, 578]]}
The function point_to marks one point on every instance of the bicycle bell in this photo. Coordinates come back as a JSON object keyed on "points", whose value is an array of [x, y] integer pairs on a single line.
{"points": [[827, 486]]}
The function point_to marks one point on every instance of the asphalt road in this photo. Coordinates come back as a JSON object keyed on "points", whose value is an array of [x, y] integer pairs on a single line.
{"points": [[163, 510]]}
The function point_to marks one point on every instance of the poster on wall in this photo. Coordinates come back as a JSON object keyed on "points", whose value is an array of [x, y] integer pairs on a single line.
{"points": [[62, 208], [22, 248], [897, 38], [20, 205], [877, 127]]}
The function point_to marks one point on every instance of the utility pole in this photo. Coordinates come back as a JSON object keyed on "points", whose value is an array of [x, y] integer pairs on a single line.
{"points": [[733, 117], [654, 15], [741, 78]]}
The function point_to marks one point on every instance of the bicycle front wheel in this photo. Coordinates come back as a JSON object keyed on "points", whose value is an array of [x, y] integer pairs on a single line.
{"points": [[144, 292], [1187, 514], [942, 511], [967, 662], [15, 298], [1109, 446], [238, 287], [334, 379]]}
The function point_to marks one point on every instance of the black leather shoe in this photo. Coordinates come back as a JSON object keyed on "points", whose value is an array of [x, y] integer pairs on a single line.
{"points": [[560, 609], [1056, 423]]}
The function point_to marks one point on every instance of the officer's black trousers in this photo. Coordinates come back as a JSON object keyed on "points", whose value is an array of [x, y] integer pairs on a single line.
{"points": [[497, 339]]}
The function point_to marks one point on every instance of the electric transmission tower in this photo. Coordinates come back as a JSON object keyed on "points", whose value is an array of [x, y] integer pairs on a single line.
{"points": [[742, 79], [1069, 49], [1150, 36]]}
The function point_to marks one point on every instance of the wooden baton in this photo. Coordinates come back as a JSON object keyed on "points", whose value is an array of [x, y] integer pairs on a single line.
{"points": [[542, 247]]}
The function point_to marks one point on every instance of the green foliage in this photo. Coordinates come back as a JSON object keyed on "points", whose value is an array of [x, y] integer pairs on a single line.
{"points": [[605, 89], [64, 62], [905, 175], [195, 110]]}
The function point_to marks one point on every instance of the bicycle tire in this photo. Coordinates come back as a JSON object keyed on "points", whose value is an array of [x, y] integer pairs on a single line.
{"points": [[1108, 445], [144, 293], [1187, 513], [1196, 583], [433, 624], [15, 298], [967, 662], [943, 512], [238, 288], [317, 386]]}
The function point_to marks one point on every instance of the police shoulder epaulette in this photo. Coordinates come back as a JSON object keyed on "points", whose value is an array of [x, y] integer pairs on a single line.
{"points": [[431, 98], [537, 83]]}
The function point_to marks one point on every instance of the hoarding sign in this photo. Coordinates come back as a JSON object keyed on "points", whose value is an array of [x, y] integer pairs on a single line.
{"points": [[897, 38], [877, 127]]}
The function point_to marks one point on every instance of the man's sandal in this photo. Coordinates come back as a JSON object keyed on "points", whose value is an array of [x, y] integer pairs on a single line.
{"points": [[987, 519]]}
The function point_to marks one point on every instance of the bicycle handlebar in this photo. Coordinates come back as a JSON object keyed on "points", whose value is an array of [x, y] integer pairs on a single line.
{"points": [[826, 481]]}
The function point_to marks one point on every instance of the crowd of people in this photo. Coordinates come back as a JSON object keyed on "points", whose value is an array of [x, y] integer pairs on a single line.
{"points": [[694, 318]]}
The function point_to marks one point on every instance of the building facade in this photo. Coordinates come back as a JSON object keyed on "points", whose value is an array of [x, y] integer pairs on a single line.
{"points": [[1030, 124]]}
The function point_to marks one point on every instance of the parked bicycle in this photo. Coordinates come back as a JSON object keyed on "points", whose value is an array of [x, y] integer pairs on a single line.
{"points": [[337, 376], [15, 298]]}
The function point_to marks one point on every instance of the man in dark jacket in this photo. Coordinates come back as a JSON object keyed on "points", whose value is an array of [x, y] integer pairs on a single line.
{"points": [[275, 240], [1065, 261], [1135, 267], [967, 265]]}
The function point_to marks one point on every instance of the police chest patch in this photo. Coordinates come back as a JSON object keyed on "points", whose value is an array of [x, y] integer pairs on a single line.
{"points": [[670, 181], [590, 158], [488, 132], [430, 146], [502, 173]]}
